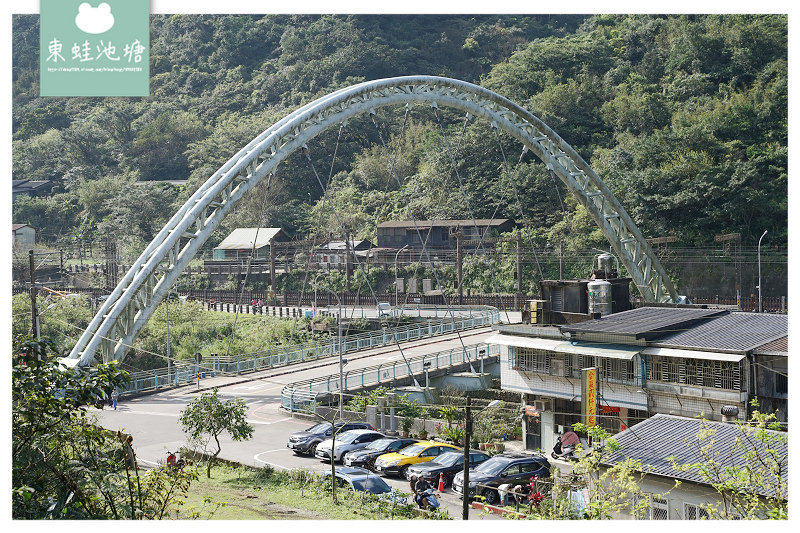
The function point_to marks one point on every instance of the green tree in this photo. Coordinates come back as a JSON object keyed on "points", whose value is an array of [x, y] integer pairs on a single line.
{"points": [[207, 417], [64, 466]]}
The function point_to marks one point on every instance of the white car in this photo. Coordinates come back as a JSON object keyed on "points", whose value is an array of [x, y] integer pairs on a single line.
{"points": [[383, 309], [347, 441]]}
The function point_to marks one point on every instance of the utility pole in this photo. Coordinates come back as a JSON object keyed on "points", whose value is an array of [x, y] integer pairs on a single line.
{"points": [[459, 266], [34, 310], [347, 261], [467, 437], [272, 264], [519, 271]]}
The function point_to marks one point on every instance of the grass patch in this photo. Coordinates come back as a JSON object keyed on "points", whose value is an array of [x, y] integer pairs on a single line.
{"points": [[265, 494]]}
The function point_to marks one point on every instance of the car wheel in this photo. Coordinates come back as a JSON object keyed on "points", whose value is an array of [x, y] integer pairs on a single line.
{"points": [[492, 497], [447, 480], [404, 472], [312, 449], [371, 464]]}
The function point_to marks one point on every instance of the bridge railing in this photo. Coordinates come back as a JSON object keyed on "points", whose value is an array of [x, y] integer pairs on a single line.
{"points": [[183, 372], [385, 372], [312, 350]]}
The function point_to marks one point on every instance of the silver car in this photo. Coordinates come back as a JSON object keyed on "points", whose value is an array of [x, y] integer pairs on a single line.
{"points": [[355, 439]]}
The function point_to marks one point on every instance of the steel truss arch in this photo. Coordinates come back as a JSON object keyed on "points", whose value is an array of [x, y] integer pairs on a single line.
{"points": [[134, 300]]}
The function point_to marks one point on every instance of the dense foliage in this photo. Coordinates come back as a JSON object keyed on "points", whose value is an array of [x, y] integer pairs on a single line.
{"points": [[684, 117], [64, 466]]}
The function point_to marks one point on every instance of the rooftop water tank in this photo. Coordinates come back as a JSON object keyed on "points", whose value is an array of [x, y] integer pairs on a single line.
{"points": [[599, 292]]}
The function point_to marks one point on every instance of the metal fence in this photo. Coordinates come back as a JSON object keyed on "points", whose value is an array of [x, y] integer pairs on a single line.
{"points": [[284, 355], [296, 396]]}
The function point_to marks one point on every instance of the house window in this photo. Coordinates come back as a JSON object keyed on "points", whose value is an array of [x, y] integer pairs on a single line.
{"points": [[531, 360], [694, 512], [616, 370], [781, 384], [656, 508], [698, 372]]}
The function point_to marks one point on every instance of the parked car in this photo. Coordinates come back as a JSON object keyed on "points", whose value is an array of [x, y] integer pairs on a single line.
{"points": [[305, 442], [358, 479], [511, 468], [383, 309], [447, 465], [355, 439], [397, 463], [365, 458]]}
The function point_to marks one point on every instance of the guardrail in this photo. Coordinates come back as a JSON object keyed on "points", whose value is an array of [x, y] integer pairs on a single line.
{"points": [[385, 372], [149, 380]]}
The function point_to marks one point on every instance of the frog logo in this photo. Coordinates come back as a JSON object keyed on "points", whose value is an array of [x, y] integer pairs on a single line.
{"points": [[94, 20]]}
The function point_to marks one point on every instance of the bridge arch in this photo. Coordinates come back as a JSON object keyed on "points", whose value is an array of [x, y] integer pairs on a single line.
{"points": [[135, 298]]}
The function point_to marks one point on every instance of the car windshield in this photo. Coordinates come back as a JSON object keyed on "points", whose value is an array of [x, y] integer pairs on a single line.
{"points": [[319, 428], [379, 444], [412, 451], [447, 459], [491, 467], [371, 484]]}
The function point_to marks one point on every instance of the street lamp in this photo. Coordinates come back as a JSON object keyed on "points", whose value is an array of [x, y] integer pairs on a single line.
{"points": [[396, 297], [467, 437], [341, 361], [760, 308]]}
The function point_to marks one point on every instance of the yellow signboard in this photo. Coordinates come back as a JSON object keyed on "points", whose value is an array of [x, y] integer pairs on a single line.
{"points": [[589, 395]]}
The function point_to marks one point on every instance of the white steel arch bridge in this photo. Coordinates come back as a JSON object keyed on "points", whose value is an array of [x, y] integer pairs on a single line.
{"points": [[116, 324]]}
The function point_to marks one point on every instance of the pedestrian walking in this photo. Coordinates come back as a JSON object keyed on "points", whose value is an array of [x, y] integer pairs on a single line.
{"points": [[114, 397]]}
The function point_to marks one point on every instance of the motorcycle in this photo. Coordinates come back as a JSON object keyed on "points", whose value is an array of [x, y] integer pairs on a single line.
{"points": [[174, 461], [429, 499], [565, 446]]}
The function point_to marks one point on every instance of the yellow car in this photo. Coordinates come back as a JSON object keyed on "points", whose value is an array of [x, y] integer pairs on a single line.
{"points": [[397, 463]]}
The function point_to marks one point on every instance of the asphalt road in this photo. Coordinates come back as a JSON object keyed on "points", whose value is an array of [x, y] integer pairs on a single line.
{"points": [[153, 420]]}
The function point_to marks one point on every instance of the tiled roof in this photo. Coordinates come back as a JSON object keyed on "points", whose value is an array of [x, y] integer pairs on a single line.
{"points": [[644, 322], [736, 331], [777, 346], [656, 439]]}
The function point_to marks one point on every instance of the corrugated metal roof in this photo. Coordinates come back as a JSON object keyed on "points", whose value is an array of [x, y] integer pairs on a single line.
{"points": [[443, 223], [242, 238], [644, 322], [736, 331], [656, 439]]}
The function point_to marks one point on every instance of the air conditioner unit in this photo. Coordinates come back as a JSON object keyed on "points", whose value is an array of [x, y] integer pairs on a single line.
{"points": [[542, 405]]}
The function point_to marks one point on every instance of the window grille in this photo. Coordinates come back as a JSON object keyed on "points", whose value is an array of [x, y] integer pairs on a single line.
{"points": [[657, 508], [694, 512], [781, 384]]}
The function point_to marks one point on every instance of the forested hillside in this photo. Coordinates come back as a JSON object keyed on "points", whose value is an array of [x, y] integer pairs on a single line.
{"points": [[684, 117]]}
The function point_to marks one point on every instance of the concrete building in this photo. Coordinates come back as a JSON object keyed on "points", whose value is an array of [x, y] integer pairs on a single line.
{"points": [[680, 361]]}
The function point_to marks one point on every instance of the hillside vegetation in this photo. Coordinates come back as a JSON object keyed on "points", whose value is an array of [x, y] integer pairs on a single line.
{"points": [[684, 117]]}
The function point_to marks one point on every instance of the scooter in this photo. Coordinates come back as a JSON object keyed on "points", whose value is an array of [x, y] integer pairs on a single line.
{"points": [[429, 499], [174, 461], [564, 451]]}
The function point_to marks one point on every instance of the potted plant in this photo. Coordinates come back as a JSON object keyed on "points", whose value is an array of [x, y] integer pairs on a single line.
{"points": [[406, 424]]}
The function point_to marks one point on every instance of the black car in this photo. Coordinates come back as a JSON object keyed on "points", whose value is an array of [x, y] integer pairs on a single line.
{"points": [[517, 469], [365, 457], [447, 465], [305, 442]]}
